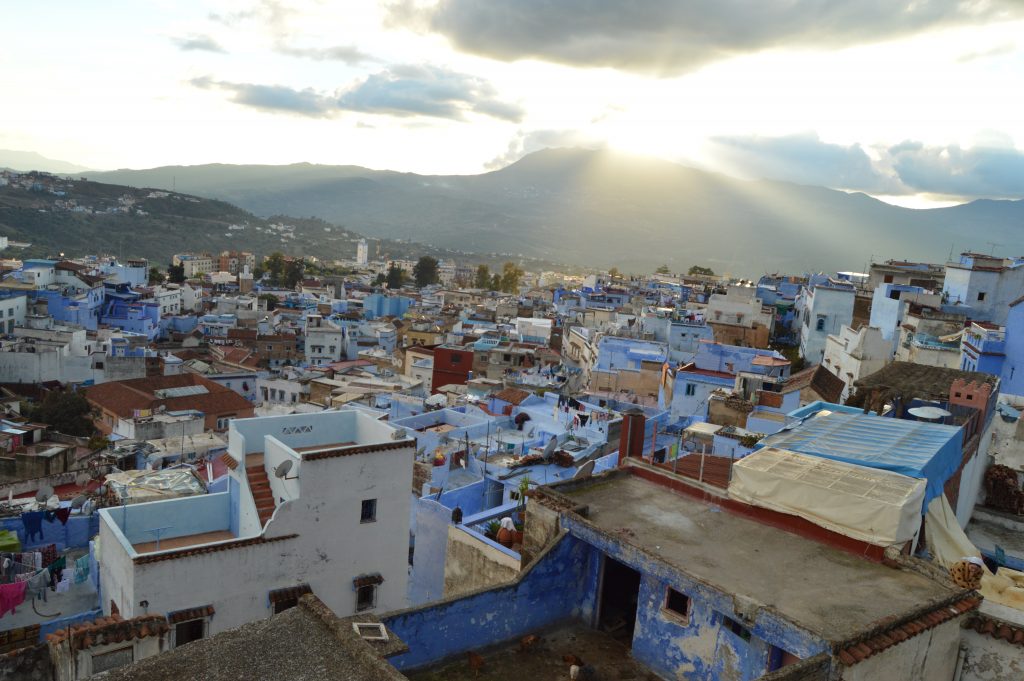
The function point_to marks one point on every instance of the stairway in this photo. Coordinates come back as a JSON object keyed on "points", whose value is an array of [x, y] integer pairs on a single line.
{"points": [[259, 485]]}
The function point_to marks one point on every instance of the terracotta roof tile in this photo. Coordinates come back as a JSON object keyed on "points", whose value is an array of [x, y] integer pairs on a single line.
{"points": [[351, 451], [289, 593], [190, 614], [512, 395], [998, 629], [209, 548], [857, 651]]}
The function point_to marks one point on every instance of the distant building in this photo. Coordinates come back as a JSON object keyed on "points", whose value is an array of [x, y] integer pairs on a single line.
{"points": [[984, 285], [824, 307], [362, 253], [851, 354]]}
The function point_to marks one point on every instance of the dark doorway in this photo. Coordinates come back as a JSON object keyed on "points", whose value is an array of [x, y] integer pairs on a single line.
{"points": [[620, 590]]}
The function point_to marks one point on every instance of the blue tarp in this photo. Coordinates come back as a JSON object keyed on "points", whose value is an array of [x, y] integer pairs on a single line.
{"points": [[914, 448]]}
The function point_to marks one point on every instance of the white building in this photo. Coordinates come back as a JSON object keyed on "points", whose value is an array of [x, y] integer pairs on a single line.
{"points": [[362, 253], [985, 285], [823, 309], [12, 313], [194, 264], [335, 523], [325, 341], [852, 354]]}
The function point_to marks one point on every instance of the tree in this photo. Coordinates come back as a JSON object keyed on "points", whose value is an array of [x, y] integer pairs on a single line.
{"points": [[275, 266], [705, 271], [156, 276], [396, 277], [663, 269], [425, 271], [293, 271], [614, 273], [495, 284], [381, 279], [510, 277], [272, 301], [176, 274], [66, 411], [483, 276]]}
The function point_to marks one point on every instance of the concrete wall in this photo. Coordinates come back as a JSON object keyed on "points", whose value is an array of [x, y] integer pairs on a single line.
{"points": [[991, 659], [929, 656], [426, 582], [550, 591], [472, 563]]}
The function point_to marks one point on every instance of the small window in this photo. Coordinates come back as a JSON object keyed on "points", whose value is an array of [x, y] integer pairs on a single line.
{"points": [[366, 597], [677, 605], [736, 628], [981, 295], [369, 512], [691, 390], [887, 279], [186, 632], [820, 326], [456, 359]]}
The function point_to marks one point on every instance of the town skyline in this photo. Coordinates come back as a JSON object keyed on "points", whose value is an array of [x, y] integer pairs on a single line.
{"points": [[852, 96]]}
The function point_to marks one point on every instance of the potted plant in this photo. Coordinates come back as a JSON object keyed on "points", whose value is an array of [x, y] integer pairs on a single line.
{"points": [[491, 531]]}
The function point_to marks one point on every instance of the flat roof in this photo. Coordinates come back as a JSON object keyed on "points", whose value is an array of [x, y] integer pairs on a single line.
{"points": [[829, 592]]}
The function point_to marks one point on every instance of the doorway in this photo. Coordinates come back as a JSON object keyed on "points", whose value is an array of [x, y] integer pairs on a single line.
{"points": [[620, 592]]}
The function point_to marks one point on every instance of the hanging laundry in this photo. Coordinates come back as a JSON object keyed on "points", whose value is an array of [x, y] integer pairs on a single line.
{"points": [[49, 554], [11, 596], [583, 419], [33, 522], [38, 583], [82, 569], [62, 515], [64, 585]]}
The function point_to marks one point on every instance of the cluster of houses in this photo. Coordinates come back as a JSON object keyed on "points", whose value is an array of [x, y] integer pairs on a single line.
{"points": [[808, 477]]}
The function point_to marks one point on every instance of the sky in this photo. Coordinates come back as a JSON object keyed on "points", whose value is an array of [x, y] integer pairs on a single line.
{"points": [[916, 102]]}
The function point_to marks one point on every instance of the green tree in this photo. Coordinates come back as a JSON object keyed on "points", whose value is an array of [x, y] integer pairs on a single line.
{"points": [[66, 411], [510, 277], [483, 276], [614, 273], [156, 276], [176, 274], [293, 271], [272, 301], [381, 279], [663, 269], [275, 266], [495, 284], [697, 269], [425, 271], [396, 277]]}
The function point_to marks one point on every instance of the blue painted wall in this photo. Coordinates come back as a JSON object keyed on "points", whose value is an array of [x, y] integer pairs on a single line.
{"points": [[182, 517], [551, 592], [75, 534], [426, 583], [1013, 366]]}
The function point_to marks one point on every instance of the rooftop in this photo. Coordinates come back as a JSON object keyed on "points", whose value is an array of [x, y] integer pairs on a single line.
{"points": [[921, 381], [838, 595]]}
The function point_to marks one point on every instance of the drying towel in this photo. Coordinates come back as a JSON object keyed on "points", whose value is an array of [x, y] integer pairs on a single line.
{"points": [[11, 596]]}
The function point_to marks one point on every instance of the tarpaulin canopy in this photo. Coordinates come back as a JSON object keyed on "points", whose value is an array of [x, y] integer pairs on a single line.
{"points": [[919, 449], [874, 506], [133, 487]]}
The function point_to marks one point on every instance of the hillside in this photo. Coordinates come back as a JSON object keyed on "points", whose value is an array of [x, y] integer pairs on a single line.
{"points": [[600, 208], [80, 216]]}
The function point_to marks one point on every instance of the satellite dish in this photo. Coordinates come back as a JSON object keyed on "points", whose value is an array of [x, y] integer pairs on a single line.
{"points": [[584, 471], [532, 431], [929, 413], [281, 470], [44, 493], [82, 479], [549, 449], [79, 501], [398, 434]]}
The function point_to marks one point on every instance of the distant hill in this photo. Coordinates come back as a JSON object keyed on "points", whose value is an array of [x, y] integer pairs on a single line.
{"points": [[600, 208], [81, 216], [29, 160]]}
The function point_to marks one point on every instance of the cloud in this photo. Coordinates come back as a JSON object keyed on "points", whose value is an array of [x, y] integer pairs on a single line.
{"points": [[272, 98], [414, 90], [977, 172], [804, 159], [349, 54], [528, 142], [668, 37], [401, 91], [992, 169], [203, 43]]}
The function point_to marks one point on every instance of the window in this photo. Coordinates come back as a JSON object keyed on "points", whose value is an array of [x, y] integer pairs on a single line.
{"points": [[366, 597], [691, 390], [677, 605], [456, 359], [369, 511], [820, 326], [887, 279], [186, 632], [113, 659], [736, 628], [981, 295]]}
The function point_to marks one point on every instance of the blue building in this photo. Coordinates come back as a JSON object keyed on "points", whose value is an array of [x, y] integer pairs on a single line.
{"points": [[378, 305], [716, 367], [1012, 376]]}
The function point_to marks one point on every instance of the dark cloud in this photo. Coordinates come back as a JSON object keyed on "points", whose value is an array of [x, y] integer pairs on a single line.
{"points": [[667, 37], [978, 172], [349, 54], [273, 98], [990, 171], [413, 90], [528, 142], [402, 91], [804, 159], [203, 43]]}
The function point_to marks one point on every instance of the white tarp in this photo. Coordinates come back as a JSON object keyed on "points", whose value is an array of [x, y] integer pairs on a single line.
{"points": [[875, 506]]}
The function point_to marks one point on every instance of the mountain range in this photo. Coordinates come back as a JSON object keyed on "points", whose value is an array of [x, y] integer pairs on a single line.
{"points": [[603, 209]]}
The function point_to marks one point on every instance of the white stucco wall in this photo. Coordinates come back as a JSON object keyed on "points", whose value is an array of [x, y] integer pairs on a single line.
{"points": [[930, 656], [991, 659]]}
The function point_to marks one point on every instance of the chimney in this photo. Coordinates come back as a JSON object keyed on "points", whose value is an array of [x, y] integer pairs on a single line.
{"points": [[631, 441]]}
